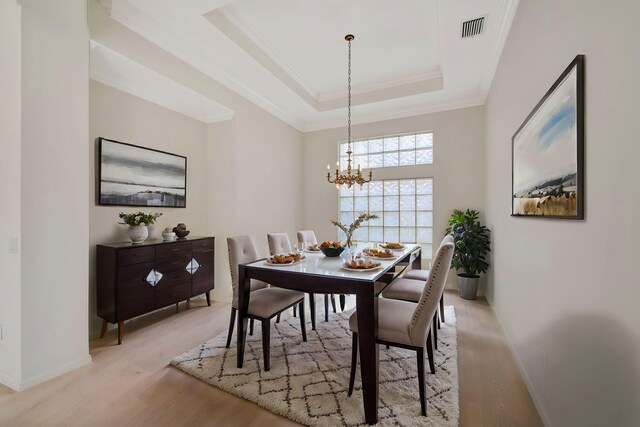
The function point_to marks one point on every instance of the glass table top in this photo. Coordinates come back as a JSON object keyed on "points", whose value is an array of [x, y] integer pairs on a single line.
{"points": [[318, 264]]}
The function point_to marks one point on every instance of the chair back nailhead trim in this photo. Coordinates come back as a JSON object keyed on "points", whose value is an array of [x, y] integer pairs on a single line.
{"points": [[437, 277]]}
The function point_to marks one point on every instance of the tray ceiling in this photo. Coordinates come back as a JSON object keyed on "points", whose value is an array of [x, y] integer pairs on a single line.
{"points": [[290, 57]]}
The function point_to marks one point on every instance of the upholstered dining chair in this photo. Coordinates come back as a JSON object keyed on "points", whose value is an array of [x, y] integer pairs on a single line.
{"points": [[278, 244], [406, 324], [265, 302], [308, 238], [409, 288]]}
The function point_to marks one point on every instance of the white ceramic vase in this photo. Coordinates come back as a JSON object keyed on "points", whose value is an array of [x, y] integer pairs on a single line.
{"points": [[138, 233]]}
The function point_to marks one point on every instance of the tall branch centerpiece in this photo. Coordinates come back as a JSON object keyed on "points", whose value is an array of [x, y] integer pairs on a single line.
{"points": [[348, 230]]}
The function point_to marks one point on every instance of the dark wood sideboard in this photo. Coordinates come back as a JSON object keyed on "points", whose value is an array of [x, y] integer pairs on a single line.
{"points": [[135, 279]]}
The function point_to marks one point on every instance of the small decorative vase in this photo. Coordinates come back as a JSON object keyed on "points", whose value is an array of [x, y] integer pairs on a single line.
{"points": [[349, 250], [138, 233]]}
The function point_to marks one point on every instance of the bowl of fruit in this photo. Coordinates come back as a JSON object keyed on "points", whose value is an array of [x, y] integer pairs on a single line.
{"points": [[331, 249]]}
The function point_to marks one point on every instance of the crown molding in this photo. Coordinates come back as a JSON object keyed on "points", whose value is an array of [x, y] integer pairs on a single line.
{"points": [[230, 14], [109, 68], [107, 5], [139, 22], [385, 92], [506, 19], [404, 81], [246, 38], [399, 114], [291, 107], [220, 117]]}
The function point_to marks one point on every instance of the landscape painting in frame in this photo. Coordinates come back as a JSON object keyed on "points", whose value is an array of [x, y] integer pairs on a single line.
{"points": [[547, 152], [136, 176]]}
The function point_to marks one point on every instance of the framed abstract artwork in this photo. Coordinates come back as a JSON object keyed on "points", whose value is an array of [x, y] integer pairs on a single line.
{"points": [[130, 175], [548, 152]]}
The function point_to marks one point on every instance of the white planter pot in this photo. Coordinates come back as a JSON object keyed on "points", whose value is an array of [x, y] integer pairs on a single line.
{"points": [[468, 286], [138, 233]]}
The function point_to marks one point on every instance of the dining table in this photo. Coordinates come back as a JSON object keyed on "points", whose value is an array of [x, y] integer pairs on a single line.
{"points": [[317, 273]]}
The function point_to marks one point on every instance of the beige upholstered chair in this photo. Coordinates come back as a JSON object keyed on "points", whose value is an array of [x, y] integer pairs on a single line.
{"points": [[278, 244], [406, 324], [265, 302], [308, 238], [409, 287]]}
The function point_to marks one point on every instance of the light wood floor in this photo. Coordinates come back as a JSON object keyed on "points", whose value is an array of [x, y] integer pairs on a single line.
{"points": [[133, 385]]}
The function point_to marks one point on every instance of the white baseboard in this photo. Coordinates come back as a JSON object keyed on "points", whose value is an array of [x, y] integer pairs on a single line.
{"points": [[55, 372], [527, 382], [9, 381]]}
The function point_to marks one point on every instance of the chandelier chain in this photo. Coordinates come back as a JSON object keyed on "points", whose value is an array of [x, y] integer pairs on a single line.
{"points": [[348, 178], [349, 100]]}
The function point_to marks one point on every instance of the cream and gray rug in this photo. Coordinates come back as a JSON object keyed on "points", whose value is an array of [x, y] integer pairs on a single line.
{"points": [[308, 381]]}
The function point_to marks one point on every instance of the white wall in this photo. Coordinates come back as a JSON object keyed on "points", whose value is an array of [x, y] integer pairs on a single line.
{"points": [[10, 133], [256, 182], [54, 189], [458, 169], [253, 162], [570, 289], [117, 115]]}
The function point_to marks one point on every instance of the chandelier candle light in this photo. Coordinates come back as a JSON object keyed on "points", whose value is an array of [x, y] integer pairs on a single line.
{"points": [[349, 179]]}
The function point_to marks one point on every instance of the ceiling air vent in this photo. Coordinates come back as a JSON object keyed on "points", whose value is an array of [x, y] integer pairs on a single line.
{"points": [[473, 27]]}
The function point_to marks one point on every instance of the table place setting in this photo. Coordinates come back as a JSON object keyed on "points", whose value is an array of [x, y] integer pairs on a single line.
{"points": [[290, 258]]}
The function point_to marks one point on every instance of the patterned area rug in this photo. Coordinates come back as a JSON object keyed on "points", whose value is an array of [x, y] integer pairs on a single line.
{"points": [[308, 382]]}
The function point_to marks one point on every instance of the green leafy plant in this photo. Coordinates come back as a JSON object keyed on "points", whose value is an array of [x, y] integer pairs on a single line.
{"points": [[471, 242], [348, 230], [138, 218]]}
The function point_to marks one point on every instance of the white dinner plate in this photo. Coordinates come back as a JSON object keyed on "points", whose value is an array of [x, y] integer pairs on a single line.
{"points": [[362, 270], [394, 249], [389, 258], [278, 264], [309, 251]]}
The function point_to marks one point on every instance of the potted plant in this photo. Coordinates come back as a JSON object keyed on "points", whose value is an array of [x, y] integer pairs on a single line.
{"points": [[471, 246], [138, 222]]}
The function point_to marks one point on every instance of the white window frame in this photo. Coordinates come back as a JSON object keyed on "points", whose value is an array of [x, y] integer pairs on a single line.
{"points": [[363, 158], [347, 216]]}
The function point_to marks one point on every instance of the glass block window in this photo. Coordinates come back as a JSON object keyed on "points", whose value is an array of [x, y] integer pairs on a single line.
{"points": [[404, 208], [390, 151]]}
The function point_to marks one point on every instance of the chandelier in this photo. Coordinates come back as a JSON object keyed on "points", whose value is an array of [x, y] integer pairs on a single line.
{"points": [[349, 179]]}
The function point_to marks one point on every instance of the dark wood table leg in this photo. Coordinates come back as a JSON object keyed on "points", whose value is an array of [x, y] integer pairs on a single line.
{"points": [[208, 294], [417, 262], [367, 310], [120, 332], [342, 301], [312, 307], [103, 330], [243, 307], [326, 307]]}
